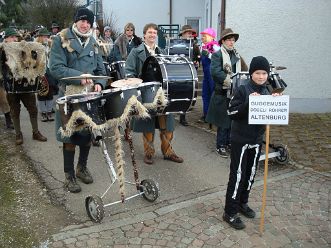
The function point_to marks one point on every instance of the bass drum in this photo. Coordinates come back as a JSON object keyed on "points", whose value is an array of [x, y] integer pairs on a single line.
{"points": [[180, 47], [179, 80], [117, 70], [239, 78]]}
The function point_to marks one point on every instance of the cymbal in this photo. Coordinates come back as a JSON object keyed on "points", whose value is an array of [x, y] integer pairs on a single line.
{"points": [[86, 77], [126, 82], [279, 67]]}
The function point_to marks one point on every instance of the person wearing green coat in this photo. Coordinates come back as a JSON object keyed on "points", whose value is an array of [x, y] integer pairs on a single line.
{"points": [[165, 123], [75, 52], [224, 63]]}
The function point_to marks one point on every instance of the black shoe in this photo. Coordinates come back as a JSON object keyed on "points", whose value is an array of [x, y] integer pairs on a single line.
{"points": [[247, 211], [222, 152], [234, 221], [202, 119], [184, 123]]}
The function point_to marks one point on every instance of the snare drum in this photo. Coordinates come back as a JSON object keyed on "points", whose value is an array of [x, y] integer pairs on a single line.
{"points": [[116, 100], [179, 80], [91, 104], [117, 70], [179, 47], [240, 78], [275, 83]]}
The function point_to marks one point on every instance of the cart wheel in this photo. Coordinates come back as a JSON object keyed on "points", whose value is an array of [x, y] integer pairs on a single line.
{"points": [[94, 208], [150, 189], [284, 154]]}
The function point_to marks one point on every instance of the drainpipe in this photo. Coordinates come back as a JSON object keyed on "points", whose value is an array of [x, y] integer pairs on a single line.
{"points": [[170, 12], [223, 4]]}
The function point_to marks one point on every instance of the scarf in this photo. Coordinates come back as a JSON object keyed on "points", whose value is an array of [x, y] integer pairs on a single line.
{"points": [[226, 58], [82, 38]]}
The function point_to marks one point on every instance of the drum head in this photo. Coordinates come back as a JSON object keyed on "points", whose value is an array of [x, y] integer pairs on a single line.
{"points": [[126, 82]]}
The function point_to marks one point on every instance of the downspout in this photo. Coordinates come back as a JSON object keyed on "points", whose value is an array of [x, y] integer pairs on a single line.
{"points": [[211, 13], [223, 4], [170, 12]]}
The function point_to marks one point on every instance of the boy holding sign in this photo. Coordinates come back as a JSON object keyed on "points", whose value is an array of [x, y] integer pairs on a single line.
{"points": [[246, 143]]}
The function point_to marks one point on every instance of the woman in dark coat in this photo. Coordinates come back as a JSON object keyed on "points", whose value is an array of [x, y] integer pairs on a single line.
{"points": [[224, 63]]}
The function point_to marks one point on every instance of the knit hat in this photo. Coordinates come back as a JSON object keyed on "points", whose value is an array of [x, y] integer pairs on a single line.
{"points": [[43, 32], [106, 29], [228, 32], [10, 32], [209, 31], [259, 63], [84, 14], [187, 28]]}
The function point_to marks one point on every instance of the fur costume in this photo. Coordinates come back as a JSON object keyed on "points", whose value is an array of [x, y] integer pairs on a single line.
{"points": [[24, 59]]}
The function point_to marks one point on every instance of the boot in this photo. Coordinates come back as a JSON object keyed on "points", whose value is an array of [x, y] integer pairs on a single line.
{"points": [[84, 174], [50, 116], [19, 139], [43, 117], [182, 120], [9, 123], [71, 184], [38, 136]]}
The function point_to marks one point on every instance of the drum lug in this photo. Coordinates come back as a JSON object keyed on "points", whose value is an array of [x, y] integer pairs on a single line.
{"points": [[88, 106], [122, 95]]}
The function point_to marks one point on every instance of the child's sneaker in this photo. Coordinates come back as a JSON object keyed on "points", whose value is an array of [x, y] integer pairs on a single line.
{"points": [[222, 152], [234, 221]]}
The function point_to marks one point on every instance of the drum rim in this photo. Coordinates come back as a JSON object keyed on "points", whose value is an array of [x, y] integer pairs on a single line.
{"points": [[118, 62], [66, 99], [144, 84]]}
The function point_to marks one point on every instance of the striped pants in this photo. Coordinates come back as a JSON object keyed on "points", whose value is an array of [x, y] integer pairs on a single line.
{"points": [[244, 161]]}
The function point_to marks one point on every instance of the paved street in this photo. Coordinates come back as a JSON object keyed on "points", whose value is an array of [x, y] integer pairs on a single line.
{"points": [[188, 212]]}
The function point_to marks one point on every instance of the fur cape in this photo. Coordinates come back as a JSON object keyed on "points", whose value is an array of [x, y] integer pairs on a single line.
{"points": [[24, 59]]}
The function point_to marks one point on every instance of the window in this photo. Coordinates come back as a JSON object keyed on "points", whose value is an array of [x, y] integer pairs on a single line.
{"points": [[194, 23]]}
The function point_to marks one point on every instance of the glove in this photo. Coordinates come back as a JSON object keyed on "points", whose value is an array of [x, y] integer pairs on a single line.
{"points": [[227, 68], [227, 83]]}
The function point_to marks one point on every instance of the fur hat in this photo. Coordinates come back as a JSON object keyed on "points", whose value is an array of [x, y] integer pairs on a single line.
{"points": [[209, 31], [228, 32], [10, 32], [130, 25], [84, 14], [259, 63], [187, 28], [43, 32]]}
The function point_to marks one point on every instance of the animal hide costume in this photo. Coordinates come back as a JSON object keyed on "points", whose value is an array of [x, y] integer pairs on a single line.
{"points": [[24, 60]]}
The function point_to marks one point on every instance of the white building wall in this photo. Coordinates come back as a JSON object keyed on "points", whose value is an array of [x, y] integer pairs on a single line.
{"points": [[138, 12], [295, 34]]}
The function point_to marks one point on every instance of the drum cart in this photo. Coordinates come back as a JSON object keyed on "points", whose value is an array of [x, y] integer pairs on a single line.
{"points": [[279, 152], [147, 188]]}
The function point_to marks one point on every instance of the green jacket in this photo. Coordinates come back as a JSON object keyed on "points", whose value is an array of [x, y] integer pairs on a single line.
{"points": [[133, 68], [68, 59]]}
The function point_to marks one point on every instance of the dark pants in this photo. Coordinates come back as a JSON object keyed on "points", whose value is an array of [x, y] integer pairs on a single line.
{"points": [[29, 101], [222, 137], [207, 84], [244, 161]]}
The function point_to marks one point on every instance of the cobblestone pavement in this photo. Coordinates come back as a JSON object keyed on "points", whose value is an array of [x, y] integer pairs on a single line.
{"points": [[297, 215], [297, 210]]}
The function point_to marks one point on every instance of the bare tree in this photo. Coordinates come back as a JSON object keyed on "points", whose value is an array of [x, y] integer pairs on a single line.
{"points": [[44, 12], [111, 21]]}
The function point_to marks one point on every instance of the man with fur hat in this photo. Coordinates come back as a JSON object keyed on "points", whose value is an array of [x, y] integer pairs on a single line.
{"points": [[124, 43], [246, 143], [75, 52], [224, 63], [14, 99]]}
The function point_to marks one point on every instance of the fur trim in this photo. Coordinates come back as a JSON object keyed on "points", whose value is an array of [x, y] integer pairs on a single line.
{"points": [[64, 40], [25, 59]]}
